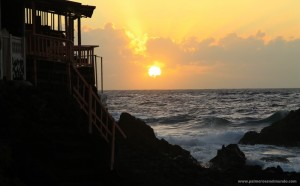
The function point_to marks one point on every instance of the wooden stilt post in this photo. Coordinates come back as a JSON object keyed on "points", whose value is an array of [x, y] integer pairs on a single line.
{"points": [[9, 67], [90, 109], [33, 17], [113, 135], [96, 71], [101, 63], [35, 72], [79, 39], [34, 43], [69, 77]]}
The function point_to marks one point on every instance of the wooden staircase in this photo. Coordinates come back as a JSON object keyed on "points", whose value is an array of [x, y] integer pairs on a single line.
{"points": [[98, 116]]}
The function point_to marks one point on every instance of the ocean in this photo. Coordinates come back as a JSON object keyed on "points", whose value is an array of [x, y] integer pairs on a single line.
{"points": [[201, 121]]}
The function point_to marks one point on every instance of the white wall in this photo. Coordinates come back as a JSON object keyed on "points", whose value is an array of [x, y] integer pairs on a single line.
{"points": [[0, 43], [0, 15]]}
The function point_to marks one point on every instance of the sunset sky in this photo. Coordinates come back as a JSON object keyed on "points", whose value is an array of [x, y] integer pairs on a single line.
{"points": [[197, 44]]}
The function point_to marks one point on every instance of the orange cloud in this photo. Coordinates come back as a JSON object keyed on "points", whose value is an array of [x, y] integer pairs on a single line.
{"points": [[232, 61], [86, 28]]}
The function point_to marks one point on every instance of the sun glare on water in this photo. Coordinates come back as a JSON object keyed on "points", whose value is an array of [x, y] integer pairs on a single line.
{"points": [[154, 71]]}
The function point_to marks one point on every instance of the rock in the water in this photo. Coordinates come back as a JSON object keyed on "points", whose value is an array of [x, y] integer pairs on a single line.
{"points": [[274, 170], [285, 132], [229, 157], [137, 132], [150, 160], [142, 137], [249, 138]]}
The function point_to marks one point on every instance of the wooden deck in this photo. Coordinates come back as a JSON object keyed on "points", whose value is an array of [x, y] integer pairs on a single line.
{"points": [[60, 49]]}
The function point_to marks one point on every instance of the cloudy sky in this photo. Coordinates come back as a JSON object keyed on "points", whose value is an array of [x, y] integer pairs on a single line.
{"points": [[197, 44]]}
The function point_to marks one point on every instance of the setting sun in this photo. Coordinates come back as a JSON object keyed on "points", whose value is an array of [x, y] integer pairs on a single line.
{"points": [[154, 71]]}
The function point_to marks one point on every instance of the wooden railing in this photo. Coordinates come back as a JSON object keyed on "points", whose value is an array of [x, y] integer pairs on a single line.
{"points": [[48, 47], [97, 114], [84, 55]]}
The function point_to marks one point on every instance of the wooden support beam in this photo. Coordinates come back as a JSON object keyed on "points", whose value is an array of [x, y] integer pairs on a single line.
{"points": [[79, 31], [101, 63], [33, 17], [96, 72], [67, 26], [34, 72], [69, 76], [59, 23], [112, 160], [90, 108], [79, 38]]}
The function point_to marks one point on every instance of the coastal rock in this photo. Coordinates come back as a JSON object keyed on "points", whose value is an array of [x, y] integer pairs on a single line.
{"points": [[229, 157], [285, 132], [142, 159], [136, 130], [141, 136], [149, 160], [274, 170], [250, 138]]}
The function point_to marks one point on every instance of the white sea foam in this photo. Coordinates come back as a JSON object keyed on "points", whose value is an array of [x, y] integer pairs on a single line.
{"points": [[295, 163], [287, 158], [201, 121], [214, 137], [204, 147]]}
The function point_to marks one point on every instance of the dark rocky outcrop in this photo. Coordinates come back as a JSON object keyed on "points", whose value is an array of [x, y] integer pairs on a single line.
{"points": [[147, 160], [140, 136], [44, 140], [143, 159], [250, 138], [229, 157], [285, 132]]}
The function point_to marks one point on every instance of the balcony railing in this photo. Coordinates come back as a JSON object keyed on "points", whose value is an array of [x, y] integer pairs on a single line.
{"points": [[50, 48], [84, 55], [60, 49]]}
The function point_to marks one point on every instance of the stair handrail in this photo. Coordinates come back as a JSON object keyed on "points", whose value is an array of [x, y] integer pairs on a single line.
{"points": [[98, 115]]}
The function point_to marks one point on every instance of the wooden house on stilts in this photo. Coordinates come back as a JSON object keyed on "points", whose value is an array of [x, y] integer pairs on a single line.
{"points": [[37, 44]]}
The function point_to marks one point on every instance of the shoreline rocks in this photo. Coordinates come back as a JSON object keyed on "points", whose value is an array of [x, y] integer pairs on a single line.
{"points": [[145, 160], [44, 140], [285, 132], [229, 157]]}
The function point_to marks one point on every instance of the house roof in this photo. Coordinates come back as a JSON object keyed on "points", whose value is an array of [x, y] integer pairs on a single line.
{"points": [[62, 7]]}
